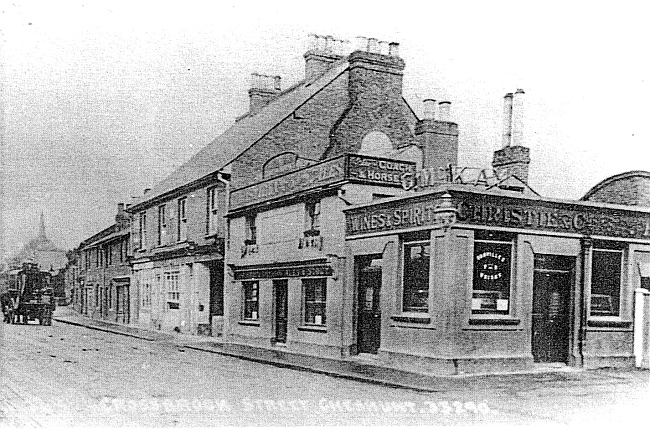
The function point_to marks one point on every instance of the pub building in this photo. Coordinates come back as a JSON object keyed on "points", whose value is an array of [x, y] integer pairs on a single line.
{"points": [[360, 238]]}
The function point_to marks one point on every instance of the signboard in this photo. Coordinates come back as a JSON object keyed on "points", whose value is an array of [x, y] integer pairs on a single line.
{"points": [[357, 168], [500, 211], [380, 171], [245, 273], [300, 180]]}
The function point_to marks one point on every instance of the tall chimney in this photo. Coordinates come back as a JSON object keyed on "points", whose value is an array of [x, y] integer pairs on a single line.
{"points": [[263, 88], [513, 159], [507, 119], [518, 118], [438, 138], [321, 53]]}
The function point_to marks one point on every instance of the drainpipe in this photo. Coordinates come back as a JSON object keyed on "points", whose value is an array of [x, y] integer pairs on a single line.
{"points": [[584, 283]]}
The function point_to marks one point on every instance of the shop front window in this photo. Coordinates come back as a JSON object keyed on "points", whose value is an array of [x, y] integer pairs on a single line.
{"points": [[416, 276], [315, 296], [251, 303], [492, 273], [606, 268]]}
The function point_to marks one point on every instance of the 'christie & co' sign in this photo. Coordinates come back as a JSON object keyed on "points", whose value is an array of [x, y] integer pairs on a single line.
{"points": [[487, 210]]}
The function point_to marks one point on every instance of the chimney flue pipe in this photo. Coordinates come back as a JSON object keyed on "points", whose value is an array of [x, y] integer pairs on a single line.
{"points": [[507, 119], [518, 118]]}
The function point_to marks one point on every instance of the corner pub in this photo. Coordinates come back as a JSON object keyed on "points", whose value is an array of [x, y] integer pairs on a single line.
{"points": [[392, 252], [471, 280]]}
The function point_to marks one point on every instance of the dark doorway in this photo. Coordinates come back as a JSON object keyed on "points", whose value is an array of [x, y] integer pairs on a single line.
{"points": [[122, 307], [280, 303], [368, 273], [552, 282]]}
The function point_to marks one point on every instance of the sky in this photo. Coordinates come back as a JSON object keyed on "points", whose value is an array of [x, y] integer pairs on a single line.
{"points": [[102, 99]]}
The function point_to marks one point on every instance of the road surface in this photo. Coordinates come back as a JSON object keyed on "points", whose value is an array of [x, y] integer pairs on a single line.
{"points": [[66, 376]]}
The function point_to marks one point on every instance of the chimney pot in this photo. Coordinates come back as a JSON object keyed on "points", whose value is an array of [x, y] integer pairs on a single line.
{"points": [[373, 45], [120, 207], [146, 191], [429, 108], [393, 49], [445, 107], [277, 81]]}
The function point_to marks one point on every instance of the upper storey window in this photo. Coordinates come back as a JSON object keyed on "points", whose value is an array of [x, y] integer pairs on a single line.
{"points": [[376, 143], [213, 210], [142, 230], [251, 229], [182, 219]]}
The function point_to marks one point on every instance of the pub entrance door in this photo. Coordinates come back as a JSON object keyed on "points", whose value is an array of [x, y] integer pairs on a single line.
{"points": [[280, 303], [368, 306], [552, 280]]}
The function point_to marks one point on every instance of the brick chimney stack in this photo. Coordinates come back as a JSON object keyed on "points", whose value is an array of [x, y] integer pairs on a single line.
{"points": [[263, 88], [513, 158], [375, 74], [321, 53], [438, 138]]}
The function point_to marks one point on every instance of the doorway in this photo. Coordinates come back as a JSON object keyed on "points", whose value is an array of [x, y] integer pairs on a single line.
{"points": [[122, 307], [368, 274], [552, 280], [280, 304]]}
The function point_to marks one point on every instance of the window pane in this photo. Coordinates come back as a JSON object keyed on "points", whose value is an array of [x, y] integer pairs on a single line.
{"points": [[605, 282], [250, 300], [416, 277], [315, 298], [492, 262]]}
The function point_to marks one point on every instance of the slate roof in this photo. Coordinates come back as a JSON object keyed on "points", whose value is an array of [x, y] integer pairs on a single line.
{"points": [[240, 136]]}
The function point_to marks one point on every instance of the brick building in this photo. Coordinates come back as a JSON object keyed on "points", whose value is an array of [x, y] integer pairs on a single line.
{"points": [[629, 188], [104, 280], [353, 232], [342, 136]]}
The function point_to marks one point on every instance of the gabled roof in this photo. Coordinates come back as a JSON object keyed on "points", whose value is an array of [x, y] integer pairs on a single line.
{"points": [[240, 136]]}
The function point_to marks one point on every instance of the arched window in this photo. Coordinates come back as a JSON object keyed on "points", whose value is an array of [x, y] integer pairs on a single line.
{"points": [[375, 143]]}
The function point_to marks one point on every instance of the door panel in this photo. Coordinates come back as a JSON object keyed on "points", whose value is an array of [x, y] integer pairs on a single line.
{"points": [[368, 306], [550, 317], [281, 307]]}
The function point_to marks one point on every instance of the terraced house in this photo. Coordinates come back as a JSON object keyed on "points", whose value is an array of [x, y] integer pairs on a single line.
{"points": [[102, 289]]}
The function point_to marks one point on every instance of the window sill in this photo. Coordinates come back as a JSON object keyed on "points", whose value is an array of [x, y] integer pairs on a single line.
{"points": [[494, 321], [609, 323], [313, 328], [493, 324], [423, 320], [249, 322]]}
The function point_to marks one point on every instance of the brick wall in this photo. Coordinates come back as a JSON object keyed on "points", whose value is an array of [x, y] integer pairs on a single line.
{"points": [[376, 104], [367, 97], [305, 133], [632, 188]]}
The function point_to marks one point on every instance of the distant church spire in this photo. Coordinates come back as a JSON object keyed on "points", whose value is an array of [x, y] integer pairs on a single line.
{"points": [[41, 231]]}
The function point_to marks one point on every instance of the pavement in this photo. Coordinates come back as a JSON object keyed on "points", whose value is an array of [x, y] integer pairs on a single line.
{"points": [[355, 368]]}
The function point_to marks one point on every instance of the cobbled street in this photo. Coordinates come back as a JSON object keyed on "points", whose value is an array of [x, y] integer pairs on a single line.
{"points": [[66, 375]]}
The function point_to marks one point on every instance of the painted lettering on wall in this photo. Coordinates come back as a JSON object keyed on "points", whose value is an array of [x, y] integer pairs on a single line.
{"points": [[429, 177], [300, 180], [385, 172], [474, 209]]}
